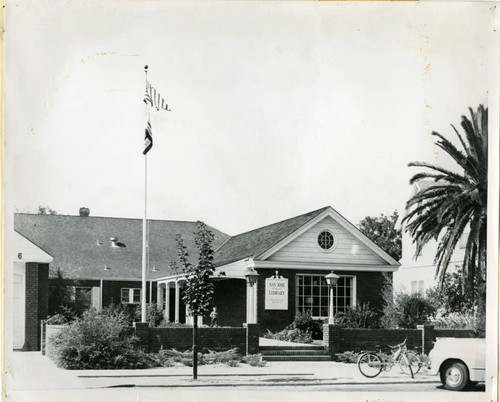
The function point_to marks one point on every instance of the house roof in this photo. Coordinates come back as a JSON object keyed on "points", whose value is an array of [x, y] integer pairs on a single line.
{"points": [[81, 246], [258, 241]]}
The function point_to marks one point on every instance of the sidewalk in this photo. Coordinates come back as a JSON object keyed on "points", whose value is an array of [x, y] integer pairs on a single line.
{"points": [[32, 371]]}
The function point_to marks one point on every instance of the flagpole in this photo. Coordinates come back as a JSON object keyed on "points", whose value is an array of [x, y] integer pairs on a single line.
{"points": [[144, 229]]}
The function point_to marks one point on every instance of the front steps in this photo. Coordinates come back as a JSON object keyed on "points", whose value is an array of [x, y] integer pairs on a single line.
{"points": [[308, 353]]}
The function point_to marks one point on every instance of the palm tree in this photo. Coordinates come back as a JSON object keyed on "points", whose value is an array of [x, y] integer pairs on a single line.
{"points": [[450, 203]]}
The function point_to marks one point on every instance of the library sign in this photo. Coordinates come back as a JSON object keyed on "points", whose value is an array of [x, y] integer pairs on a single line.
{"points": [[276, 294]]}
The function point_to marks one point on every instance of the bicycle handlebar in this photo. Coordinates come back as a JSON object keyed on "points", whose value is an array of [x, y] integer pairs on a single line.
{"points": [[400, 345]]}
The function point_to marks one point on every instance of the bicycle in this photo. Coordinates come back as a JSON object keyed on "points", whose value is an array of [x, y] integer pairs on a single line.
{"points": [[415, 360], [371, 364]]}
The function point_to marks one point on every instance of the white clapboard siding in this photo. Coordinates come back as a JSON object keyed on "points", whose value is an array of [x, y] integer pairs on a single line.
{"points": [[348, 249]]}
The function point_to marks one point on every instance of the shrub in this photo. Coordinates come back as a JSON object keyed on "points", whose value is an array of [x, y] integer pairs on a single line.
{"points": [[290, 335], [57, 319], [413, 310], [164, 324], [404, 310], [346, 357], [221, 357], [154, 314], [98, 340], [362, 317], [444, 320], [254, 360], [304, 322], [169, 358]]}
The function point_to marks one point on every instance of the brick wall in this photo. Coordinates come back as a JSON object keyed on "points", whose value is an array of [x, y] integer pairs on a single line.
{"points": [[338, 340], [36, 303], [366, 339], [368, 288], [454, 333], [218, 339]]}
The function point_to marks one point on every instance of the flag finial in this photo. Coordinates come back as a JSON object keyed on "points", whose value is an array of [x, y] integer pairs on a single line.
{"points": [[146, 68]]}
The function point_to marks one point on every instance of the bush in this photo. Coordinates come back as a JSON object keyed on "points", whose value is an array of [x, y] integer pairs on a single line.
{"points": [[170, 358], [164, 324], [154, 314], [290, 335], [98, 340], [413, 310], [362, 317], [346, 357], [444, 320], [221, 357], [57, 319], [254, 360], [404, 310], [232, 358], [304, 322]]}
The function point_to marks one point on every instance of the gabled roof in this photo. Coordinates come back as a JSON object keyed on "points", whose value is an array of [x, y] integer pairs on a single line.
{"points": [[258, 241], [73, 241], [261, 243]]}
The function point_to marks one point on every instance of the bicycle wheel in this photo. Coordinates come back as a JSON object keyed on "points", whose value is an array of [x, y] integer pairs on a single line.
{"points": [[413, 359], [369, 365]]}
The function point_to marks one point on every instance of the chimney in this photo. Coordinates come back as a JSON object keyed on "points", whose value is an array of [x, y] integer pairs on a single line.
{"points": [[84, 211]]}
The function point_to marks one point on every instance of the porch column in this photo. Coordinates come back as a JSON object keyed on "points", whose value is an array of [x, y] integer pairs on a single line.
{"points": [[177, 300], [251, 304], [166, 313], [189, 317], [159, 298], [254, 303]]}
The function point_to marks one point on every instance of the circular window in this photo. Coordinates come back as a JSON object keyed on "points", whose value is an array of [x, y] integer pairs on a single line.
{"points": [[325, 240]]}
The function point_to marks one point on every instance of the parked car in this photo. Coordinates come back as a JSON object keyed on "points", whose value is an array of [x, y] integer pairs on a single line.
{"points": [[459, 361]]}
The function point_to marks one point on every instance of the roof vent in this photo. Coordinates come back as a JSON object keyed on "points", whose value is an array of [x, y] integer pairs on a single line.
{"points": [[116, 243], [106, 268]]}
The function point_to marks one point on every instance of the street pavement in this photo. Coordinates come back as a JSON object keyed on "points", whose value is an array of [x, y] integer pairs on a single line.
{"points": [[31, 376]]}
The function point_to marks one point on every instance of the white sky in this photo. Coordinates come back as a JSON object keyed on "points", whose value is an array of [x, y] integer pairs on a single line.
{"points": [[277, 108]]}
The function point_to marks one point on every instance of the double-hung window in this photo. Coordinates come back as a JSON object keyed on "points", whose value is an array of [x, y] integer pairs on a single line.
{"points": [[312, 294], [131, 295]]}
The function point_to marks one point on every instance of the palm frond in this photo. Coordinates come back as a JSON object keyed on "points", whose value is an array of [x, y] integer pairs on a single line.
{"points": [[450, 202]]}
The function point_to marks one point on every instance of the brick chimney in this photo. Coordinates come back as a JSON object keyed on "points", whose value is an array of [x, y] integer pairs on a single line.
{"points": [[84, 211]]}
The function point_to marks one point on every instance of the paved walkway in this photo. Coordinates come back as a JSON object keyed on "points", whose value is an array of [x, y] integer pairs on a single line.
{"points": [[34, 372]]}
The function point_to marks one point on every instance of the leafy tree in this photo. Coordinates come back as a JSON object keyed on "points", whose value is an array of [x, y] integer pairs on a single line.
{"points": [[46, 211], [451, 203], [382, 231], [453, 296], [402, 310], [199, 289]]}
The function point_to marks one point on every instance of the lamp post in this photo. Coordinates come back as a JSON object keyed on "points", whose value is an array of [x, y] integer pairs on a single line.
{"points": [[251, 276], [331, 280]]}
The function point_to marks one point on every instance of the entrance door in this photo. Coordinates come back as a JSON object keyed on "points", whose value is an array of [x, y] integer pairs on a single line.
{"points": [[19, 305]]}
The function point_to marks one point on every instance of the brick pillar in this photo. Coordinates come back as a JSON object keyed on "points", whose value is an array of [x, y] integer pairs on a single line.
{"points": [[428, 337], [252, 339], [43, 337], [37, 303], [331, 338], [142, 332], [43, 291]]}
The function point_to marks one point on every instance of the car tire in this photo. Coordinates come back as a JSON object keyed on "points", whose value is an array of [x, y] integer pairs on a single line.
{"points": [[455, 376]]}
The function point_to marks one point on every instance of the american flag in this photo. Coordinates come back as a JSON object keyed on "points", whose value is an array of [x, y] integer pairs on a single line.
{"points": [[148, 139], [153, 98]]}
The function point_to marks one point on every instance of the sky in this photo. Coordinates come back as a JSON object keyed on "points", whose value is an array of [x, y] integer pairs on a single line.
{"points": [[277, 108]]}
